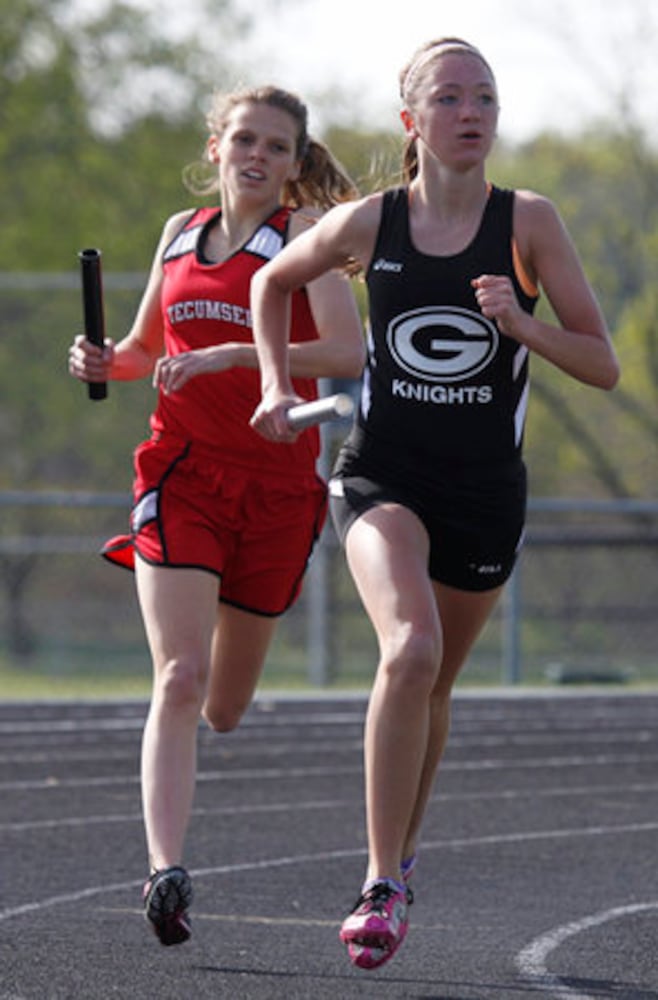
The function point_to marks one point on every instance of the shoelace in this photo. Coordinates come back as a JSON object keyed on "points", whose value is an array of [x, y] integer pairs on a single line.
{"points": [[378, 896]]}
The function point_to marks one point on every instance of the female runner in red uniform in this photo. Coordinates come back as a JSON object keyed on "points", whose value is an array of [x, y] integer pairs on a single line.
{"points": [[428, 494], [223, 522]]}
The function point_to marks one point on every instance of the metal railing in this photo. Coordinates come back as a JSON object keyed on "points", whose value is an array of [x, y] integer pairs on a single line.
{"points": [[581, 603]]}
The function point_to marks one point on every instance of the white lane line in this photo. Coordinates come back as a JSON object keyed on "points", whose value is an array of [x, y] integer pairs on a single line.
{"points": [[137, 817], [532, 961], [97, 890], [536, 835], [507, 795], [286, 861], [355, 744], [491, 764], [131, 722], [14, 726], [265, 773], [234, 918]]}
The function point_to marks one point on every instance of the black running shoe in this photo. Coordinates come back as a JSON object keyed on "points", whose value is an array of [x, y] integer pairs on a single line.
{"points": [[167, 896]]}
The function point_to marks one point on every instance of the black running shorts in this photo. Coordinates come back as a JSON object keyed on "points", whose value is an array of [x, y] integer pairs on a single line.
{"points": [[475, 528]]}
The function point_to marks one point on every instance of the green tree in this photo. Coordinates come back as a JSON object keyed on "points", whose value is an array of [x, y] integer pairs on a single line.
{"points": [[605, 184], [75, 175], [100, 114], [91, 154]]}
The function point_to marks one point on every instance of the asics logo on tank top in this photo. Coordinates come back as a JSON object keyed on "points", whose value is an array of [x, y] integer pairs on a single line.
{"points": [[381, 264], [442, 343]]}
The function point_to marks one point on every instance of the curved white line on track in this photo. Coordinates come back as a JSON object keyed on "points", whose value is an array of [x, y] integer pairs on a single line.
{"points": [[287, 861], [88, 893], [510, 795], [488, 764], [532, 961]]}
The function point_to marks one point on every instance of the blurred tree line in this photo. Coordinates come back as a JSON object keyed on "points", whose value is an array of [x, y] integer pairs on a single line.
{"points": [[100, 115]]}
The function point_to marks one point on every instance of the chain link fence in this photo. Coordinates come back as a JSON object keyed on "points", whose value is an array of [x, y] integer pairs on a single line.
{"points": [[581, 606]]}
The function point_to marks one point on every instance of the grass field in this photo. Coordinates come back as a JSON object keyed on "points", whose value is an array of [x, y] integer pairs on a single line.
{"points": [[89, 680], [124, 677]]}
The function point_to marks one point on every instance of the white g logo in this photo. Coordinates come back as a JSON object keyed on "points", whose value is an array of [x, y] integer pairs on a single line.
{"points": [[443, 344]]}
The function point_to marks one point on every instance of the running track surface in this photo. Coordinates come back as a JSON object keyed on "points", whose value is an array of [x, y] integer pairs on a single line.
{"points": [[538, 871]]}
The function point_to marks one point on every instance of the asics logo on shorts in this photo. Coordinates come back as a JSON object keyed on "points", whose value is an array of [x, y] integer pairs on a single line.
{"points": [[442, 344], [487, 569]]}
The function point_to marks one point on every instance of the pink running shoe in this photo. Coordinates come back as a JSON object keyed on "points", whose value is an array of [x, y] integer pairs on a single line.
{"points": [[378, 924]]}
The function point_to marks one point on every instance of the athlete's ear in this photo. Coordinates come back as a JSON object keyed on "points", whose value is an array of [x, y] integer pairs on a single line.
{"points": [[212, 149], [408, 122], [295, 171]]}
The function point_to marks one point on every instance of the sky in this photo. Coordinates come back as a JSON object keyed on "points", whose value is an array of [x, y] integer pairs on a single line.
{"points": [[558, 65]]}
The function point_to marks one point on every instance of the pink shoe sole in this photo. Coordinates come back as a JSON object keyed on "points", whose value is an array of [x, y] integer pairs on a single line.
{"points": [[377, 926]]}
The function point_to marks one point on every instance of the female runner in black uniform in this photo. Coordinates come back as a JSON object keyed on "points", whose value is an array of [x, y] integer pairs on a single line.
{"points": [[429, 491]]}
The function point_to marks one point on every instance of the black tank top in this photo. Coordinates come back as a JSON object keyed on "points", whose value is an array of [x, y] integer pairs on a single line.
{"points": [[443, 385]]}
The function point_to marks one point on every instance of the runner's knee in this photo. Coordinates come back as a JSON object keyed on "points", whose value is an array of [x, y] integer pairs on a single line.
{"points": [[180, 683], [413, 657], [223, 717]]}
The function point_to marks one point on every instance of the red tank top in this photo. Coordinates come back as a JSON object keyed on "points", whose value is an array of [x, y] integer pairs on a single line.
{"points": [[208, 303]]}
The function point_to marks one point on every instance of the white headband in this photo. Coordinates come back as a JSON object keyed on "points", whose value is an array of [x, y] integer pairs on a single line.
{"points": [[439, 48]]}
